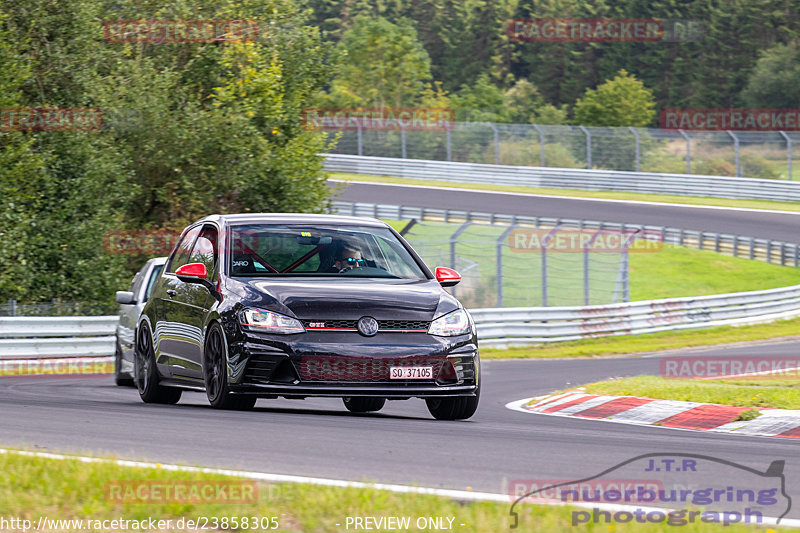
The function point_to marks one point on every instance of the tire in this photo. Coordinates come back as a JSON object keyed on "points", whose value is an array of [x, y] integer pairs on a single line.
{"points": [[458, 408], [146, 372], [215, 374], [361, 404], [119, 379]]}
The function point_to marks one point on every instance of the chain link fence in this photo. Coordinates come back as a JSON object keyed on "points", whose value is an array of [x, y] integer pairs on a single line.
{"points": [[495, 274], [754, 154]]}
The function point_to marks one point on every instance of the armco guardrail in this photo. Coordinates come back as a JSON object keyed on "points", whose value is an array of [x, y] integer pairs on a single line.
{"points": [[567, 178], [776, 252], [520, 326], [22, 337]]}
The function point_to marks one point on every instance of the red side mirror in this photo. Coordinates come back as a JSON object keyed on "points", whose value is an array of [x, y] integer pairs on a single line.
{"points": [[192, 271], [447, 277]]}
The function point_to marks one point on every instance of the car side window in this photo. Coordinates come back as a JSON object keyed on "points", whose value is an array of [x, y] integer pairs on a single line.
{"points": [[205, 250], [153, 277], [181, 254]]}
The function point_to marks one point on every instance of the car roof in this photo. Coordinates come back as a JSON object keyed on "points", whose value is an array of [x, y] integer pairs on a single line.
{"points": [[292, 218]]}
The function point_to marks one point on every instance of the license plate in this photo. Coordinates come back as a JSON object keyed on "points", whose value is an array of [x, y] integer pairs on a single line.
{"points": [[411, 372]]}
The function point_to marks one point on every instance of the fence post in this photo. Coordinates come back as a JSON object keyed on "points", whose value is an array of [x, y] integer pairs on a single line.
{"points": [[541, 145], [688, 152], [496, 143], [500, 240], [638, 148], [736, 152], [360, 141], [788, 153], [453, 241], [12, 308], [588, 146], [449, 145], [402, 139]]}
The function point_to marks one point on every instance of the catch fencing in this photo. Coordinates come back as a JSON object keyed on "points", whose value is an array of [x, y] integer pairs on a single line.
{"points": [[503, 327], [566, 178], [757, 154]]}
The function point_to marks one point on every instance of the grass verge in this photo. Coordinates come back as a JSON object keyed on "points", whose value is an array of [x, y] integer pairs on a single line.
{"points": [[34, 487], [649, 342], [608, 195], [752, 393]]}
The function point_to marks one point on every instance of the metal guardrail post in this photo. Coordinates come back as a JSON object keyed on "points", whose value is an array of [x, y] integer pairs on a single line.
{"points": [[499, 260], [542, 159], [638, 148], [788, 153], [453, 241], [496, 143], [588, 146], [735, 152], [403, 140], [688, 151]]}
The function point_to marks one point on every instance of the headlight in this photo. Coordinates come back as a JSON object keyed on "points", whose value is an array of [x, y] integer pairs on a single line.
{"points": [[269, 322], [451, 324]]}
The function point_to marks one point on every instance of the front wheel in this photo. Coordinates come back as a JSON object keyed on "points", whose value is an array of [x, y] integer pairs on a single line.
{"points": [[458, 408], [359, 404], [145, 372], [215, 374]]}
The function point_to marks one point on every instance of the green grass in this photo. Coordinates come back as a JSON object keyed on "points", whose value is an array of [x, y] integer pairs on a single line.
{"points": [[688, 200], [69, 489], [678, 271], [761, 393], [649, 342]]}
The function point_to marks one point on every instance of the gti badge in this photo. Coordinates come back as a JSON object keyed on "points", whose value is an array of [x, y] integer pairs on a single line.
{"points": [[368, 326]]}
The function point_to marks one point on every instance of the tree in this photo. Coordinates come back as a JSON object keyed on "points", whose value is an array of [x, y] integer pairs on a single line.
{"points": [[622, 101], [382, 64], [775, 82]]}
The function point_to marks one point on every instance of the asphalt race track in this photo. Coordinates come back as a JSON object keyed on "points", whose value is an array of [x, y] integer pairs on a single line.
{"points": [[401, 444], [777, 226]]}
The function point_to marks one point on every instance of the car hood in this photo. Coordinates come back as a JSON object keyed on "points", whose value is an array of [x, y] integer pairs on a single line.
{"points": [[348, 299]]}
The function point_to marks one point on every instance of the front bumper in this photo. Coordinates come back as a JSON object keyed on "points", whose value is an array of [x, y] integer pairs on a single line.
{"points": [[338, 364]]}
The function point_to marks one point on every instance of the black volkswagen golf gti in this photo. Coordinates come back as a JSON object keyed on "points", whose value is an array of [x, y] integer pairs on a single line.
{"points": [[266, 305]]}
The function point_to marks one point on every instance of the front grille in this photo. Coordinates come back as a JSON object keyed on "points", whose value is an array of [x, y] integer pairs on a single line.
{"points": [[404, 324], [330, 324], [353, 324]]}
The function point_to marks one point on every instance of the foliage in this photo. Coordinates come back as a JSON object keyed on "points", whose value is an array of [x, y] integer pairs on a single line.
{"points": [[622, 101], [775, 82]]}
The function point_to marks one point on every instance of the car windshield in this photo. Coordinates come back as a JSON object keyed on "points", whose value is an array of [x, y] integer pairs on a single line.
{"points": [[330, 250]]}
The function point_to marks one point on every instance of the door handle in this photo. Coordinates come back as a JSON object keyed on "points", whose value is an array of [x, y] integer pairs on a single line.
{"points": [[172, 293]]}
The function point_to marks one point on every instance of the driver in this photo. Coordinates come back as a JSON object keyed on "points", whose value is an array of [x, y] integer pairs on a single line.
{"points": [[347, 258]]}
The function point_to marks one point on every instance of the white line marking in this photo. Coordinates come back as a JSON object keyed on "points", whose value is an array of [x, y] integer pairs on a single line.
{"points": [[562, 197], [280, 478]]}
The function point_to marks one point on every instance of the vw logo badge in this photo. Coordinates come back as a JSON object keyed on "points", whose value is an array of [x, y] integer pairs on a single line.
{"points": [[368, 326]]}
